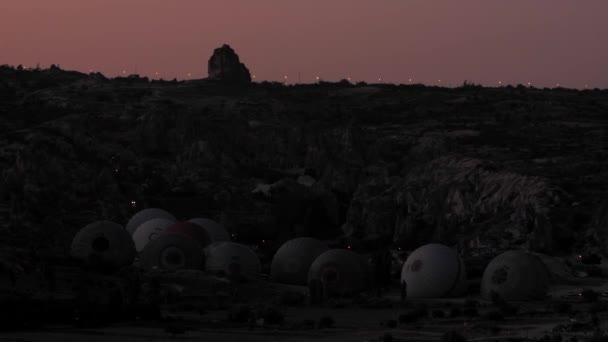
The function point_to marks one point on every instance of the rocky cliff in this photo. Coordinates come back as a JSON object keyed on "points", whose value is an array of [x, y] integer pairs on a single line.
{"points": [[509, 166]]}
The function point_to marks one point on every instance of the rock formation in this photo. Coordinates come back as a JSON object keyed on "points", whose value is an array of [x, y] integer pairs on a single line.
{"points": [[225, 66]]}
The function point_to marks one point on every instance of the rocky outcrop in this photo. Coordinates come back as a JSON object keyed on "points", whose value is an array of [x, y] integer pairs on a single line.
{"points": [[452, 198], [409, 164], [225, 66]]}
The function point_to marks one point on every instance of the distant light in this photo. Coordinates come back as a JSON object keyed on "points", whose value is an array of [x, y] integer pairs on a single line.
{"points": [[585, 86], [410, 80], [499, 82], [115, 170], [348, 247], [263, 241], [133, 203]]}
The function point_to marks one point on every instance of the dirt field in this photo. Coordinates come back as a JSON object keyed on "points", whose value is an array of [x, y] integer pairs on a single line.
{"points": [[532, 321]]}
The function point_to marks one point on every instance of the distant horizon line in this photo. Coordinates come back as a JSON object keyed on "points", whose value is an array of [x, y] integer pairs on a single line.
{"points": [[316, 79]]}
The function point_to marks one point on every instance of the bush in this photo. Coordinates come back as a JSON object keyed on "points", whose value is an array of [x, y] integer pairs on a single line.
{"points": [[326, 322]]}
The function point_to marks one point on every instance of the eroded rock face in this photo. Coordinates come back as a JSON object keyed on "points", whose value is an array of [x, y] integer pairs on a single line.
{"points": [[225, 66], [453, 196]]}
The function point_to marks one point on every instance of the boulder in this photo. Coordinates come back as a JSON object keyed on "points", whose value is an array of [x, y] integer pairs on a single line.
{"points": [[226, 66]]}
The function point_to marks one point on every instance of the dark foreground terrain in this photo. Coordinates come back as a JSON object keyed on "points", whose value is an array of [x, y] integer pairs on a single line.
{"points": [[491, 168]]}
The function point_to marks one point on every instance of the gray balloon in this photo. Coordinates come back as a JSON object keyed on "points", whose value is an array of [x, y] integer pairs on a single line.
{"points": [[146, 215], [515, 275], [434, 271], [103, 243], [291, 262], [232, 259], [340, 271], [216, 231], [148, 231], [172, 251]]}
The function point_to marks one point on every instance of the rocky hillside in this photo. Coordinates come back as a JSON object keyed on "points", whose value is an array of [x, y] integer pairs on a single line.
{"points": [[510, 166]]}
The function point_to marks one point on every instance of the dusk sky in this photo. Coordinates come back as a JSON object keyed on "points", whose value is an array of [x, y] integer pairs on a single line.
{"points": [[518, 41]]}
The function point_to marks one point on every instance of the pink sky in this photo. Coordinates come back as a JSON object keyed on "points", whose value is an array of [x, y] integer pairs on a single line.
{"points": [[518, 41]]}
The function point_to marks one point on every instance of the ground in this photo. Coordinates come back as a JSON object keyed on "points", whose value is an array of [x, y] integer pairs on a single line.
{"points": [[534, 320]]}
